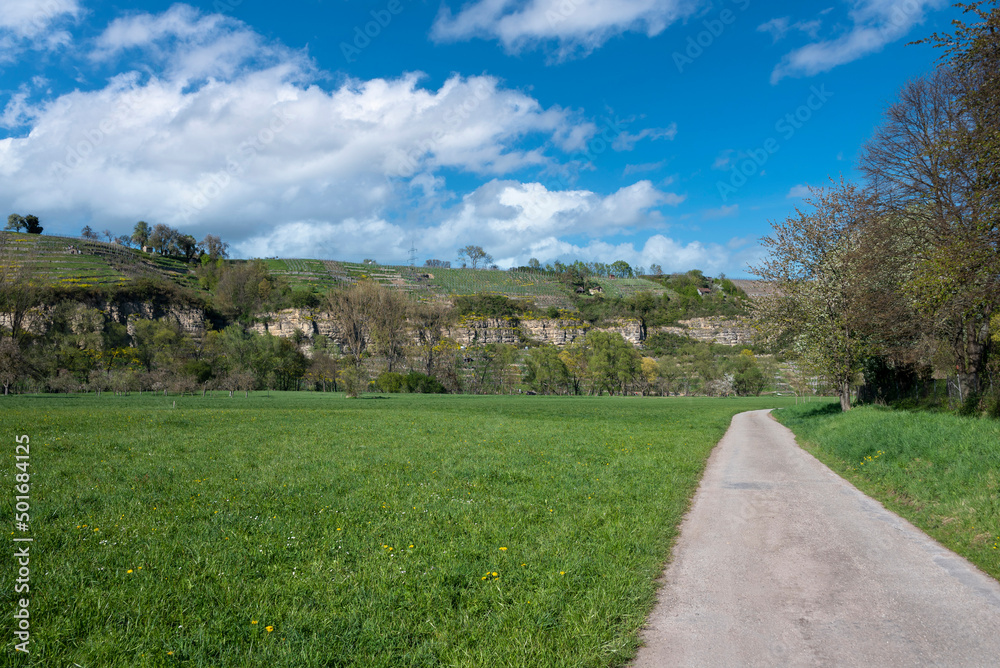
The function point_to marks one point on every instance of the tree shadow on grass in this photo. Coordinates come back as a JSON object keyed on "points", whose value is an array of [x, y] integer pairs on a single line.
{"points": [[825, 409]]}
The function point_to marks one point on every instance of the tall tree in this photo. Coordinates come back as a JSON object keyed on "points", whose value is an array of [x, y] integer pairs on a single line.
{"points": [[15, 223], [814, 262], [213, 246], [546, 371], [475, 254], [140, 235], [613, 363], [921, 165], [187, 246], [164, 239], [428, 322], [368, 314], [243, 289]]}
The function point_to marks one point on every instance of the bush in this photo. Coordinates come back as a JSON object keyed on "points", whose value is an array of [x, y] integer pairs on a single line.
{"points": [[353, 380], [390, 382], [303, 299], [491, 306], [970, 407], [993, 405], [419, 383]]}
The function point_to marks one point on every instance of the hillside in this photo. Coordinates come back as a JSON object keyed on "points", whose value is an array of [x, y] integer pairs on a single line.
{"points": [[75, 262]]}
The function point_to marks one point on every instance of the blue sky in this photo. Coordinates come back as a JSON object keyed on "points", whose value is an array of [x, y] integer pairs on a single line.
{"points": [[654, 131]]}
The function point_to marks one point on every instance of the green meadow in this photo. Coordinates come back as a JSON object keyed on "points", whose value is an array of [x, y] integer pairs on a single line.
{"points": [[939, 471], [305, 529]]}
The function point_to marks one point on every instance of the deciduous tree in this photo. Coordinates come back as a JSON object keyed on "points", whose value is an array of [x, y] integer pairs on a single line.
{"points": [[475, 254], [814, 262], [141, 232]]}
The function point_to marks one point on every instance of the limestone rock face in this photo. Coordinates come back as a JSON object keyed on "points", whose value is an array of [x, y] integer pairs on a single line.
{"points": [[712, 330], [482, 331], [556, 332], [307, 322], [631, 330], [190, 319]]}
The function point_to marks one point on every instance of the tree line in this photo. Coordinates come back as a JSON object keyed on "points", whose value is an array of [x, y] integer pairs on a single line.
{"points": [[891, 282]]}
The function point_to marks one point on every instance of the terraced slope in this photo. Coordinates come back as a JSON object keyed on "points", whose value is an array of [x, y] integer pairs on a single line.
{"points": [[74, 261], [70, 261]]}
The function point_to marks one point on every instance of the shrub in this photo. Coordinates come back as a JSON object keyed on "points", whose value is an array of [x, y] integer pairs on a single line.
{"points": [[970, 407], [390, 382], [419, 383], [353, 380], [303, 299]]}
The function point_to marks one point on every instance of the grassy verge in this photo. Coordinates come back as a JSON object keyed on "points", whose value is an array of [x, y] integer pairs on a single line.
{"points": [[939, 471], [307, 530]]}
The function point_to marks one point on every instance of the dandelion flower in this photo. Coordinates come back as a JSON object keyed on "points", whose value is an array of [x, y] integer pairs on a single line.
{"points": [[503, 549], [129, 570], [253, 621], [268, 628]]}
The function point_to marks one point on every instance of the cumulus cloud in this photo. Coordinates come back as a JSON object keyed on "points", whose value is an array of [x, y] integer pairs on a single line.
{"points": [[30, 24], [513, 220], [245, 135], [874, 23], [210, 128], [577, 26], [671, 254]]}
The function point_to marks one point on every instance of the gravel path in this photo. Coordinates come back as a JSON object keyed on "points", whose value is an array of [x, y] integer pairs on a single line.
{"points": [[780, 562]]}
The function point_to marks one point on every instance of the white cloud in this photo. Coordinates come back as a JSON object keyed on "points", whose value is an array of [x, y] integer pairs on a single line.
{"points": [[626, 141], [671, 254], [799, 191], [31, 18], [509, 218], [372, 237], [780, 27], [875, 23], [30, 24], [213, 130], [577, 26]]}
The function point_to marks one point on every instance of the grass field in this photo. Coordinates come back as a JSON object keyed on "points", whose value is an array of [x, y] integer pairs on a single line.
{"points": [[939, 471], [309, 530]]}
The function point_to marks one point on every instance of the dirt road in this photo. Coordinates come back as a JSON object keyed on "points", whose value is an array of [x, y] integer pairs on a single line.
{"points": [[782, 563]]}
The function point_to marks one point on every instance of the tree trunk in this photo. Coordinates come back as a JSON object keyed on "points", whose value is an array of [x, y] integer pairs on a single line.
{"points": [[844, 392]]}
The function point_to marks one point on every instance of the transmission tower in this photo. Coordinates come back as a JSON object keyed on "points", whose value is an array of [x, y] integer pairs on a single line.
{"points": [[413, 254]]}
